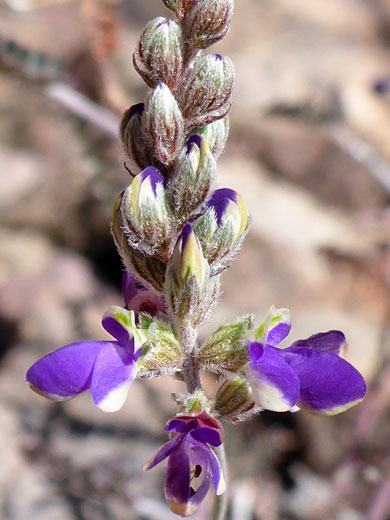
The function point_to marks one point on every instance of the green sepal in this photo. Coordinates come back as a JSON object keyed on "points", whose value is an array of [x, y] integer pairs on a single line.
{"points": [[145, 320], [226, 349], [161, 353], [234, 401]]}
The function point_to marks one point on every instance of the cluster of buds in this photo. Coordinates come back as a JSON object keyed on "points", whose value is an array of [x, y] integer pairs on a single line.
{"points": [[173, 229], [176, 232]]}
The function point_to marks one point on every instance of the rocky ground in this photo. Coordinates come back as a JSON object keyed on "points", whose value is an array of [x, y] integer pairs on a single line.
{"points": [[309, 151]]}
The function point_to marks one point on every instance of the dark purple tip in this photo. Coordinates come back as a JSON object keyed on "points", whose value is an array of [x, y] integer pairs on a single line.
{"points": [[218, 56], [154, 175], [194, 139], [136, 109], [220, 201], [185, 234], [382, 86]]}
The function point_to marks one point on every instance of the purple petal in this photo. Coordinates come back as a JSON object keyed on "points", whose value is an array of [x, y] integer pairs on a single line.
{"points": [[220, 201], [194, 139], [203, 421], [328, 384], [177, 425], [274, 384], [279, 325], [66, 372], [147, 301], [199, 457], [207, 435], [222, 193], [130, 288], [164, 452], [113, 327], [154, 175], [278, 333], [216, 473], [113, 373], [332, 341], [185, 234], [177, 481]]}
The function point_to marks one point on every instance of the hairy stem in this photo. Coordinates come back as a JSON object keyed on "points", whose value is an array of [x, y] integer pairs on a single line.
{"points": [[188, 342], [221, 501]]}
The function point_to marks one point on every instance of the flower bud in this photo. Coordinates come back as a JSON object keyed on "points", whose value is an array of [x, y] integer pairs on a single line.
{"points": [[189, 291], [162, 123], [187, 259], [223, 226], [144, 211], [178, 6], [130, 132], [193, 178], [234, 400], [230, 207], [150, 270], [207, 94], [207, 21], [215, 135], [117, 232], [159, 56]]}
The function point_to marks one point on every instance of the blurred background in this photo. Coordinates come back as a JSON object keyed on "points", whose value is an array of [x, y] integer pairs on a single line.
{"points": [[309, 151]]}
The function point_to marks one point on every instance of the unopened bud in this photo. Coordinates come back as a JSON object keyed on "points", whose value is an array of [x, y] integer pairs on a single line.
{"points": [[206, 21], [162, 123], [117, 227], [187, 259], [223, 225], [178, 6], [144, 211], [159, 55], [189, 291], [150, 270], [230, 208], [207, 94], [215, 135], [130, 132], [234, 400], [193, 178]]}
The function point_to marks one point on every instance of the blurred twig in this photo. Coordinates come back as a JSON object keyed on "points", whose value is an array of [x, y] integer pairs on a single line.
{"points": [[363, 153], [221, 501], [380, 507], [83, 107]]}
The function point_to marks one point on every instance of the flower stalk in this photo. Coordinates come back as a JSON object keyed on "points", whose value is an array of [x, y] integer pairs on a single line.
{"points": [[176, 233]]}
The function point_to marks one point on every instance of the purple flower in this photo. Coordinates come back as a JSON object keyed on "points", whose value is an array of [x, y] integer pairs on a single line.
{"points": [[192, 464], [310, 374], [138, 298], [106, 368]]}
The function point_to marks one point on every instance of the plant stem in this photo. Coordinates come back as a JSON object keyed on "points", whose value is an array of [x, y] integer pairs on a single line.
{"points": [[221, 501], [190, 373]]}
